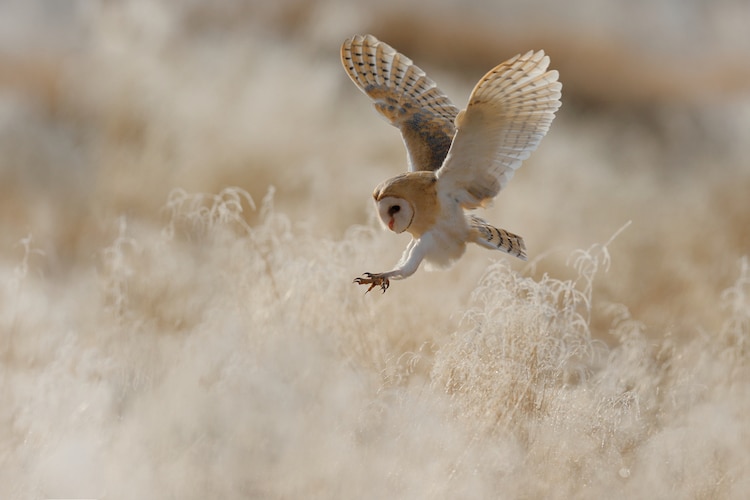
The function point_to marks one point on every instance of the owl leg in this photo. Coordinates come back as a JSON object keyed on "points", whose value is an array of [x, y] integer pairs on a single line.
{"points": [[408, 265]]}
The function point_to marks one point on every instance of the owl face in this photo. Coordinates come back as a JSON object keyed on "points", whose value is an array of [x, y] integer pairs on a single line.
{"points": [[396, 213]]}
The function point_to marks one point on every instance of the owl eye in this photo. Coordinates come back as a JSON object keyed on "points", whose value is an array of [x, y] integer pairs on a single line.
{"points": [[394, 209]]}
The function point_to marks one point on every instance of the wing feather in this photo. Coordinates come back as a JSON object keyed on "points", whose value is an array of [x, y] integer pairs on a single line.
{"points": [[509, 112], [405, 96]]}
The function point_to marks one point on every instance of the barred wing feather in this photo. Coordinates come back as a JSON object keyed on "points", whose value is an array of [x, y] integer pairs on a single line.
{"points": [[405, 96]]}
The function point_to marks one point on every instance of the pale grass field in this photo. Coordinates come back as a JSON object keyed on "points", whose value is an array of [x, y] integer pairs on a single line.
{"points": [[185, 200]]}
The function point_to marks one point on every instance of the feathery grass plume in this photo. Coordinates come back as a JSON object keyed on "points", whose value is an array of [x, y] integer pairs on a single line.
{"points": [[274, 270], [522, 340], [693, 399], [735, 300], [202, 210], [11, 291], [116, 269]]}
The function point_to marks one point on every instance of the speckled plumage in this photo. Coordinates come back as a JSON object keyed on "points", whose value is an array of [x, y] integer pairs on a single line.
{"points": [[458, 161]]}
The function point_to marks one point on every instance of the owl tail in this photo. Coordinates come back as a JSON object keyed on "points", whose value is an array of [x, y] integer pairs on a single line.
{"points": [[496, 239]]}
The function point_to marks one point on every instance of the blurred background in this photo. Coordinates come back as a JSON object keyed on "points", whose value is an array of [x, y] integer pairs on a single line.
{"points": [[228, 363], [105, 107]]}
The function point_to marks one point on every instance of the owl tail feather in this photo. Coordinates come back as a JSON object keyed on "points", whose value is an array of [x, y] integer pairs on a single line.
{"points": [[496, 239]]}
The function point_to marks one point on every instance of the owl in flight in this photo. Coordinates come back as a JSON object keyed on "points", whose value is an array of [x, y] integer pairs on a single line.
{"points": [[458, 160]]}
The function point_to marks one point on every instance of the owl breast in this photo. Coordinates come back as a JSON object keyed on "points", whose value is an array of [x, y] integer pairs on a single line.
{"points": [[449, 236]]}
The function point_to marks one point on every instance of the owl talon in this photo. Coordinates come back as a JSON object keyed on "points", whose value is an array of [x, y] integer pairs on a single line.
{"points": [[373, 280]]}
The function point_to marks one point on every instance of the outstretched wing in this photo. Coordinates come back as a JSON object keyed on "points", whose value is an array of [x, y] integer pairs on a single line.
{"points": [[509, 111], [405, 96]]}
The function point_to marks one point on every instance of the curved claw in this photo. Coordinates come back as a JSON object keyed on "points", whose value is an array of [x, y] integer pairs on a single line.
{"points": [[373, 280]]}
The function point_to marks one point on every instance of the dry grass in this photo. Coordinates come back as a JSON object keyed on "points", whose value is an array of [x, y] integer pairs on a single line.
{"points": [[185, 201]]}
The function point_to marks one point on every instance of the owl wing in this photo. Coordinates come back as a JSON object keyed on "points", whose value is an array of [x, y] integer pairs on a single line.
{"points": [[405, 96], [509, 111]]}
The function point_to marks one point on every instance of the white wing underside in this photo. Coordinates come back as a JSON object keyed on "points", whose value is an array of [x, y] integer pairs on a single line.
{"points": [[509, 112]]}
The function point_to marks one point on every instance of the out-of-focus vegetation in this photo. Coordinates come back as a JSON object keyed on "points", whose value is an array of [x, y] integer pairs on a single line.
{"points": [[185, 199]]}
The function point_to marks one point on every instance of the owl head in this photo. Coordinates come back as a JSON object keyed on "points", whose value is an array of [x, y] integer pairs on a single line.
{"points": [[396, 213], [407, 202]]}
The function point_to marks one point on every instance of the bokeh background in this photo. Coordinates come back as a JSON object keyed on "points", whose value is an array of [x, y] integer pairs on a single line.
{"points": [[185, 198]]}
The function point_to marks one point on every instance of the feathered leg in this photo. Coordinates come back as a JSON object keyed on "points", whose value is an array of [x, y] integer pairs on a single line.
{"points": [[413, 255]]}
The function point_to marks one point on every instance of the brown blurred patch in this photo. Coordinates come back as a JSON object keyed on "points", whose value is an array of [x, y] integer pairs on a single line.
{"points": [[37, 77], [595, 70]]}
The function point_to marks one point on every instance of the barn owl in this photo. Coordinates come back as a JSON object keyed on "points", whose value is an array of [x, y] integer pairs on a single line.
{"points": [[458, 160]]}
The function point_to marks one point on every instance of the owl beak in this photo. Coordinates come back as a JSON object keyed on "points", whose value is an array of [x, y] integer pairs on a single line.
{"points": [[390, 223]]}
